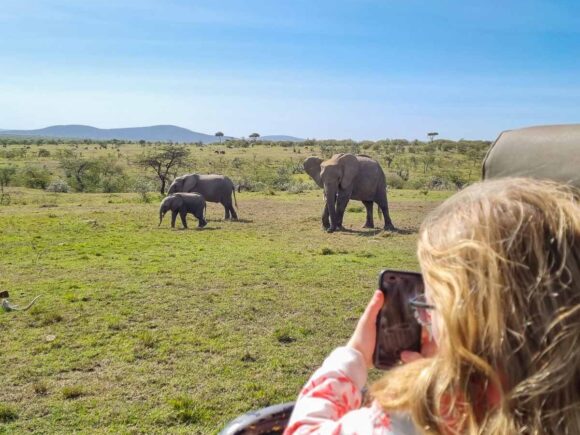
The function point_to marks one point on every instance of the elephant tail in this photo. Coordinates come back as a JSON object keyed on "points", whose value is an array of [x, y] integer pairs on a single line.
{"points": [[380, 214]]}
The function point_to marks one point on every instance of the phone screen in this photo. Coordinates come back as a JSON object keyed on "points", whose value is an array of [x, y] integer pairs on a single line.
{"points": [[397, 328]]}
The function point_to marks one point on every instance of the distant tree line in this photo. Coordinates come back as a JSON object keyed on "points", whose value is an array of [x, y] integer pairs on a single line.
{"points": [[436, 164]]}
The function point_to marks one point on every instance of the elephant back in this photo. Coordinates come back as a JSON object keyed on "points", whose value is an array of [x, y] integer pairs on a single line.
{"points": [[371, 179], [213, 187]]}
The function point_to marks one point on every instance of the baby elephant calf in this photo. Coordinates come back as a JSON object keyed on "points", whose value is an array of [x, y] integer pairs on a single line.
{"points": [[183, 203]]}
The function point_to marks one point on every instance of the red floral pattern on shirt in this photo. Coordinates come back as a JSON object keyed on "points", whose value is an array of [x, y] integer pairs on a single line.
{"points": [[329, 403]]}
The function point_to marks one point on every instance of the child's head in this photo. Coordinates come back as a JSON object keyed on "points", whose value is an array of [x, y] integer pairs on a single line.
{"points": [[501, 261]]}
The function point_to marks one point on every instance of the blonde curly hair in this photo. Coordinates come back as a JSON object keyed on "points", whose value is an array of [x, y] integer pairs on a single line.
{"points": [[501, 260]]}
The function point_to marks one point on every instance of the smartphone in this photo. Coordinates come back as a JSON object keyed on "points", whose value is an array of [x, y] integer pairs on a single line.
{"points": [[397, 327]]}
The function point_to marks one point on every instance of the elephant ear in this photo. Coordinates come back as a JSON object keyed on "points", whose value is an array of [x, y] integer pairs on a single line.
{"points": [[192, 180], [350, 167], [312, 168]]}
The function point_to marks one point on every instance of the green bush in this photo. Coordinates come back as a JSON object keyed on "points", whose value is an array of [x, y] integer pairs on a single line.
{"points": [[394, 181], [35, 177], [6, 175], [72, 392], [295, 186], [94, 175], [58, 185], [7, 414]]}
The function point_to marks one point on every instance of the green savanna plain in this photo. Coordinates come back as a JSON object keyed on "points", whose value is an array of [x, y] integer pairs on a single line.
{"points": [[147, 329]]}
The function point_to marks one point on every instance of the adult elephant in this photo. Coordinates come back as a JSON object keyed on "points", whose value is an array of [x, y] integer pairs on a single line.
{"points": [[214, 188], [183, 203], [344, 177]]}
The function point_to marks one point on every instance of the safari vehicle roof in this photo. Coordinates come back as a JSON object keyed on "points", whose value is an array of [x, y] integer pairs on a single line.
{"points": [[545, 152]]}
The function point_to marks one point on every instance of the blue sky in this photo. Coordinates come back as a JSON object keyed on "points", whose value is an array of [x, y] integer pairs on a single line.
{"points": [[361, 69]]}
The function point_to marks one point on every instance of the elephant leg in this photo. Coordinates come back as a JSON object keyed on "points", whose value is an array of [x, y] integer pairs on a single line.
{"points": [[385, 210], [183, 216], [173, 217], [201, 221], [341, 204], [233, 212], [369, 206], [325, 217], [227, 211]]}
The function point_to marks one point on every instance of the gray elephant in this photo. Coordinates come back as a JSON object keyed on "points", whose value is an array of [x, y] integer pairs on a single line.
{"points": [[344, 177], [214, 188], [183, 203]]}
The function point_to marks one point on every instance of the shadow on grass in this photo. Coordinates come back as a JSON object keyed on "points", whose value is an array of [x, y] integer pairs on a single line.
{"points": [[373, 232], [190, 228], [240, 221], [406, 231]]}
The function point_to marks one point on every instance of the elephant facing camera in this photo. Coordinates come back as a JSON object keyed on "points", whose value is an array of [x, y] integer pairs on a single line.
{"points": [[347, 176]]}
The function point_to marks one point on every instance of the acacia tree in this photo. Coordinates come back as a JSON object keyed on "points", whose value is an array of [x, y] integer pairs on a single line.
{"points": [[82, 173], [254, 136], [164, 161], [220, 135], [432, 135]]}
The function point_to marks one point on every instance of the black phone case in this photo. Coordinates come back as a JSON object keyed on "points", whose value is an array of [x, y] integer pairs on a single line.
{"points": [[397, 328]]}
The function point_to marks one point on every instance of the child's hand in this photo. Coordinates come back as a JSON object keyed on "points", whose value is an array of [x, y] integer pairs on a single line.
{"points": [[365, 335]]}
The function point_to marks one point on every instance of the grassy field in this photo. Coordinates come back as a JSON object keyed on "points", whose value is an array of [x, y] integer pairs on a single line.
{"points": [[142, 329]]}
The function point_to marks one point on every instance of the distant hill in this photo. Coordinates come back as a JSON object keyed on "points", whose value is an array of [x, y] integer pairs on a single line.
{"points": [[281, 137], [155, 133]]}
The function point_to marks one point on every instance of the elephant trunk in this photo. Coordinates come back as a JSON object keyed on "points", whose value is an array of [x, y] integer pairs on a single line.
{"points": [[316, 177], [330, 193]]}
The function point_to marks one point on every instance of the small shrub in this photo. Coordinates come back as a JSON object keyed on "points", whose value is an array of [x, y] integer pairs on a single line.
{"points": [[40, 388], [7, 414], [395, 181], [326, 251], [188, 411], [417, 184], [114, 323], [72, 392], [248, 358], [147, 339], [298, 186], [71, 297], [35, 177], [143, 187], [59, 186]]}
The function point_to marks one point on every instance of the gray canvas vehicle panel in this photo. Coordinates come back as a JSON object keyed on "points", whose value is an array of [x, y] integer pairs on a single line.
{"points": [[545, 152]]}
